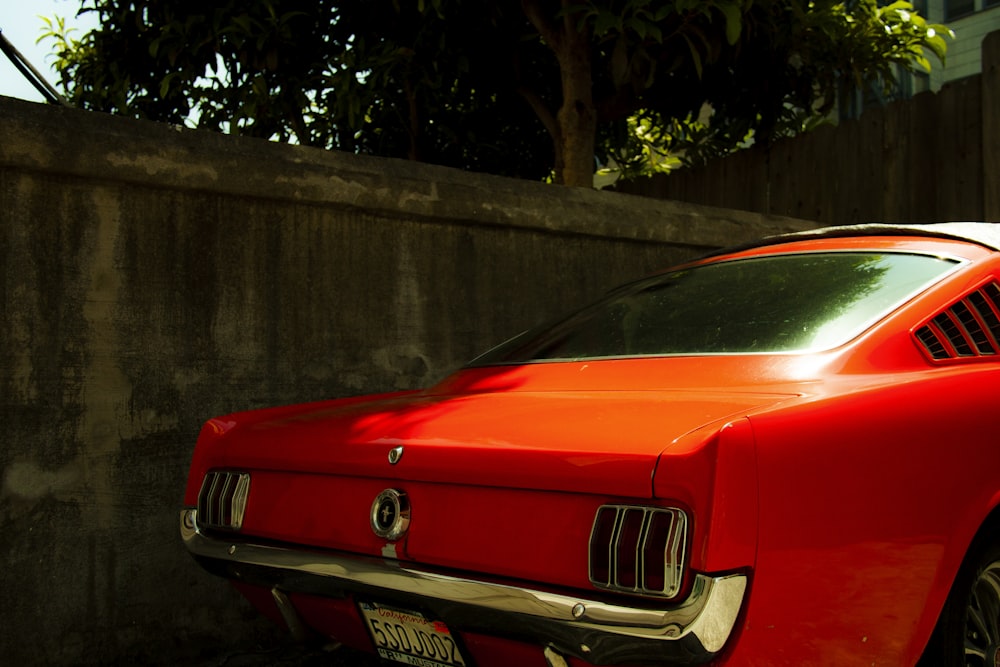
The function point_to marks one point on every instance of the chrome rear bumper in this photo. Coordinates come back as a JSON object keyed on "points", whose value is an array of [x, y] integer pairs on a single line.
{"points": [[689, 632]]}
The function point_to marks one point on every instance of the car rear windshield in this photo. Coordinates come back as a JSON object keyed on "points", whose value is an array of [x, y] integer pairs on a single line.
{"points": [[769, 304]]}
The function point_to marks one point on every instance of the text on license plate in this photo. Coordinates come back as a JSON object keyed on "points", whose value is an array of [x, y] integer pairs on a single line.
{"points": [[410, 638]]}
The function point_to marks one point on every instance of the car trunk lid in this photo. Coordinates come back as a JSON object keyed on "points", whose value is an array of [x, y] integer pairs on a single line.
{"points": [[595, 440]]}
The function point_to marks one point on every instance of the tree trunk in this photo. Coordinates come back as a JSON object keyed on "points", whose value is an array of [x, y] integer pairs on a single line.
{"points": [[577, 117], [575, 125]]}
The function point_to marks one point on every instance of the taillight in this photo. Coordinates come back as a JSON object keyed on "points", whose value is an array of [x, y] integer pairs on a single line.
{"points": [[636, 549], [222, 500]]}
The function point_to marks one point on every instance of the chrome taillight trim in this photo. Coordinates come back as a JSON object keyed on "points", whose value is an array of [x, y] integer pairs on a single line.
{"points": [[630, 550], [222, 500]]}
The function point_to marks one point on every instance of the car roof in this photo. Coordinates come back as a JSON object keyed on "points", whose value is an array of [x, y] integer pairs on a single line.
{"points": [[981, 233]]}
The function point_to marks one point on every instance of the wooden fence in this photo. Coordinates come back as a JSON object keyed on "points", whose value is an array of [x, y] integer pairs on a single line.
{"points": [[934, 157]]}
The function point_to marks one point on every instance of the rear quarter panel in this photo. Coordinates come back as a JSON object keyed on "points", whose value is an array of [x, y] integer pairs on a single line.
{"points": [[867, 503]]}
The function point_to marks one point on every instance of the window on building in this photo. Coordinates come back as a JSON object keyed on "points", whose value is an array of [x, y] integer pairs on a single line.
{"points": [[954, 9]]}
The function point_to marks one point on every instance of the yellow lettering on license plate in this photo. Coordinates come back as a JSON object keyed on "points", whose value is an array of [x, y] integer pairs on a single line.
{"points": [[410, 638]]}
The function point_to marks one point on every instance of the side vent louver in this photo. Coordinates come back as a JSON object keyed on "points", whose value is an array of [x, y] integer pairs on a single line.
{"points": [[969, 328]]}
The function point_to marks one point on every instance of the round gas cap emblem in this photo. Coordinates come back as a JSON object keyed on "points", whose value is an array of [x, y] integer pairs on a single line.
{"points": [[390, 514]]}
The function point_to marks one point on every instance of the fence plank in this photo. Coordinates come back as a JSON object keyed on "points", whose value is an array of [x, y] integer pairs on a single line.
{"points": [[931, 158], [991, 127]]}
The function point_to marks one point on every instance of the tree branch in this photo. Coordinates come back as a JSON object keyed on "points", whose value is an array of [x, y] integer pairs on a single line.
{"points": [[544, 114], [536, 15]]}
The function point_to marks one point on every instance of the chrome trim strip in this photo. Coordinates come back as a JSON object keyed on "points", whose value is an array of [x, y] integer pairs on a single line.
{"points": [[696, 627], [553, 659], [285, 607], [669, 564], [224, 492], [239, 502]]}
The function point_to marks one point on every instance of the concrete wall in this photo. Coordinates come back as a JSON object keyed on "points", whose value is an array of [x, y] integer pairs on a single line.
{"points": [[153, 277]]}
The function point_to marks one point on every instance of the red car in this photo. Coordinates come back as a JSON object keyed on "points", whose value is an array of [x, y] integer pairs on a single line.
{"points": [[784, 454]]}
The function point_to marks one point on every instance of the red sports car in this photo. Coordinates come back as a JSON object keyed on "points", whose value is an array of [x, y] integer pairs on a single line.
{"points": [[782, 454]]}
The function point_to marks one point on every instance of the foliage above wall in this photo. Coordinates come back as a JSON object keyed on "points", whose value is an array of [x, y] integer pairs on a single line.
{"points": [[534, 89]]}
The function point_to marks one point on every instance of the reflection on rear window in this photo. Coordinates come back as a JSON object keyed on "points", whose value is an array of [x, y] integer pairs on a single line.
{"points": [[779, 303]]}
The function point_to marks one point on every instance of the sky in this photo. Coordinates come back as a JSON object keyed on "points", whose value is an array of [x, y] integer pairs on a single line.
{"points": [[21, 25]]}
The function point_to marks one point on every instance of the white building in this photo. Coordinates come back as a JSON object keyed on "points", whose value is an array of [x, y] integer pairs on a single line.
{"points": [[971, 20]]}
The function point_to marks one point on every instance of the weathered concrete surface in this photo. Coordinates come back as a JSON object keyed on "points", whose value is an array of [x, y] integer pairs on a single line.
{"points": [[154, 277]]}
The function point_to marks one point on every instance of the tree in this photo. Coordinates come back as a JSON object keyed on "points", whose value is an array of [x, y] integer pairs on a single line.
{"points": [[530, 89]]}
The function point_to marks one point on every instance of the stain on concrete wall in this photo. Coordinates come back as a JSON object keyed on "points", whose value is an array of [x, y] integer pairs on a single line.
{"points": [[152, 278]]}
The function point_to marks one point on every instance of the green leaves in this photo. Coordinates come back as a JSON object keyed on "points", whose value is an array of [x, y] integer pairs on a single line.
{"points": [[733, 12], [477, 84]]}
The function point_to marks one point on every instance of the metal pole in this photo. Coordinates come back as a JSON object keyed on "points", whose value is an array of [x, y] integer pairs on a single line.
{"points": [[30, 73]]}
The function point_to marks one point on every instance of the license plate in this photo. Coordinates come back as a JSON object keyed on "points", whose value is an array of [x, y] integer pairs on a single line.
{"points": [[410, 637]]}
